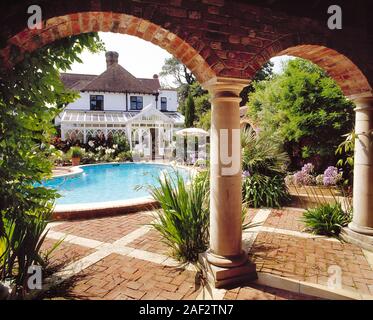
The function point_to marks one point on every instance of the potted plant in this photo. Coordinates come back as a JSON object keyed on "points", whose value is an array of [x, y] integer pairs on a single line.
{"points": [[76, 155]]}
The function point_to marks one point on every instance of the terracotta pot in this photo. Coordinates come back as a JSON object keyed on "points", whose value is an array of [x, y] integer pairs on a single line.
{"points": [[75, 161]]}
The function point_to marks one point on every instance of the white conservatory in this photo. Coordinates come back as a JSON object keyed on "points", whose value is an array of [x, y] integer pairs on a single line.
{"points": [[117, 102]]}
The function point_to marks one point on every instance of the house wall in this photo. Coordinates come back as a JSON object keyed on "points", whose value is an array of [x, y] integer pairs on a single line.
{"points": [[117, 101], [171, 95]]}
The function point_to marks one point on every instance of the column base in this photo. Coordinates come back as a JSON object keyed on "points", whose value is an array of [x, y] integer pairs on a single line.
{"points": [[362, 230], [227, 276], [226, 261], [362, 240]]}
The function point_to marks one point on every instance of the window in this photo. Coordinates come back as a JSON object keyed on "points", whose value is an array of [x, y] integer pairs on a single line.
{"points": [[136, 103], [163, 104], [97, 103]]}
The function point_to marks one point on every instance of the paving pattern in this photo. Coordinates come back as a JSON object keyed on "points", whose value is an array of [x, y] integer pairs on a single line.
{"points": [[123, 257]]}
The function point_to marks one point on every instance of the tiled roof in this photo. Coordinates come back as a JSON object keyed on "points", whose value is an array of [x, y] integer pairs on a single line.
{"points": [[114, 79], [75, 81]]}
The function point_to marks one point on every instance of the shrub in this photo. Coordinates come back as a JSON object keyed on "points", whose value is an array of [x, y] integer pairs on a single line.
{"points": [[184, 219], [264, 166], [120, 142], [20, 247], [124, 156], [76, 152], [89, 158], [327, 219], [265, 191]]}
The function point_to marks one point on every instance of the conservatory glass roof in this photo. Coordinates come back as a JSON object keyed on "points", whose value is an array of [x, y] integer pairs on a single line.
{"points": [[116, 117]]}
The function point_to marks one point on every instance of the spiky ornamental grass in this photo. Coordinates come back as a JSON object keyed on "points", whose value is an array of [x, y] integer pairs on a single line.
{"points": [[183, 220], [265, 162], [327, 219]]}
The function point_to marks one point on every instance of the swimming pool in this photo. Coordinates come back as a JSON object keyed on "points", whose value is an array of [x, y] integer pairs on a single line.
{"points": [[110, 182]]}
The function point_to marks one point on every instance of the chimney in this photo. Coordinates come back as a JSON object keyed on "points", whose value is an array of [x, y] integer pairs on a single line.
{"points": [[111, 58]]}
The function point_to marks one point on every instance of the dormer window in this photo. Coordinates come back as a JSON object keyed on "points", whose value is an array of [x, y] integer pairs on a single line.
{"points": [[163, 104], [97, 102], [136, 103]]}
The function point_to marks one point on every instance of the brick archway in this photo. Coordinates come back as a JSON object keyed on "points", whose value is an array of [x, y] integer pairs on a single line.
{"points": [[224, 43], [348, 76], [220, 38], [73, 24]]}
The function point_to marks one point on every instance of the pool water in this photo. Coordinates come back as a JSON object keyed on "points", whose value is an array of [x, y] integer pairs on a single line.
{"points": [[110, 182]]}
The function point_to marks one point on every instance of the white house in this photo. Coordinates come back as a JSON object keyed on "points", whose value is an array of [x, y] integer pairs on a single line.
{"points": [[116, 101]]}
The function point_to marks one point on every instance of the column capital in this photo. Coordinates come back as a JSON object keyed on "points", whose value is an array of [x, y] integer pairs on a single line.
{"points": [[363, 101], [221, 84]]}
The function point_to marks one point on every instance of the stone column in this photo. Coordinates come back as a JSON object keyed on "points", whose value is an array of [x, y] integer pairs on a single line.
{"points": [[363, 168], [225, 254]]}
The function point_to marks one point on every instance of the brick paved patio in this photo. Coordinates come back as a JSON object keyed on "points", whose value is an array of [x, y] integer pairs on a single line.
{"points": [[122, 257]]}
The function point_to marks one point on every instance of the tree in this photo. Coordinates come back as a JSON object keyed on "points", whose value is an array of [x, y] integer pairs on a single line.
{"points": [[306, 109], [176, 70], [189, 112], [31, 96], [265, 73], [188, 86]]}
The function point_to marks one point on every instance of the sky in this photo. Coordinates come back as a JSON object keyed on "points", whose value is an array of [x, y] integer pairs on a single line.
{"points": [[141, 58]]}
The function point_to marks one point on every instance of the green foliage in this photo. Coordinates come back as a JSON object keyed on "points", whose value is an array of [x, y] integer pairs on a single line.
{"points": [[205, 121], [265, 191], [31, 96], [121, 142], [264, 167], [188, 86], [189, 112], [124, 156], [76, 152], [22, 241], [346, 153], [177, 71], [327, 219], [265, 73], [184, 219], [300, 106], [262, 153]]}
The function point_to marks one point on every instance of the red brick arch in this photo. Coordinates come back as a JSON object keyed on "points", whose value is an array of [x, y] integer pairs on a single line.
{"points": [[78, 23], [338, 66], [225, 38]]}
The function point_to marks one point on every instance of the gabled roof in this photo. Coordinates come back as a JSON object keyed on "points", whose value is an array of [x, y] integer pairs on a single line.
{"points": [[114, 79], [149, 112]]}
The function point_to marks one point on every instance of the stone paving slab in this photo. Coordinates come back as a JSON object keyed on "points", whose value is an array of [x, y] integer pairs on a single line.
{"points": [[259, 292]]}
